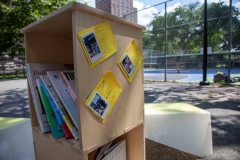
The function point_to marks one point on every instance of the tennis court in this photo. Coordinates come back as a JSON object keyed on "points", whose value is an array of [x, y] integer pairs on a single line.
{"points": [[186, 75]]}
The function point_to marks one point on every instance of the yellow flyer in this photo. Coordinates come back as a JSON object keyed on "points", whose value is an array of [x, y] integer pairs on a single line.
{"points": [[98, 43], [104, 96], [130, 60]]}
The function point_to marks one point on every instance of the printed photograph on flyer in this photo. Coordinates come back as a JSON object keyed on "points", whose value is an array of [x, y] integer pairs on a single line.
{"points": [[99, 105], [92, 47], [127, 64]]}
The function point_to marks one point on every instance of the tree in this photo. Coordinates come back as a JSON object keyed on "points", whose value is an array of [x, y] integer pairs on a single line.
{"points": [[185, 28], [16, 14]]}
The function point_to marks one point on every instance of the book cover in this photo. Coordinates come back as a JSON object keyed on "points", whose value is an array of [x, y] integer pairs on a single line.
{"points": [[69, 80], [98, 43], [103, 97], [54, 126], [34, 70], [100, 151], [130, 60], [60, 108], [116, 152], [47, 86], [64, 96]]}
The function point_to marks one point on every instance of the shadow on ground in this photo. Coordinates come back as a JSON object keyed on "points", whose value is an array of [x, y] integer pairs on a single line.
{"points": [[8, 101], [223, 103]]}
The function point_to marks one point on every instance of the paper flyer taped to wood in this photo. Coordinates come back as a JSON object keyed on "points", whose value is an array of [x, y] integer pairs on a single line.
{"points": [[98, 43], [130, 60], [104, 96]]}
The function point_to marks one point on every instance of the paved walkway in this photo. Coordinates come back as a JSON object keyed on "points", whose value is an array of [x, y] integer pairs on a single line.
{"points": [[222, 102], [14, 98]]}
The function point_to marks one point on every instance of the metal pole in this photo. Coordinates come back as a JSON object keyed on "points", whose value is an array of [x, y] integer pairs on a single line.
{"points": [[149, 49], [165, 76], [230, 41], [204, 82]]}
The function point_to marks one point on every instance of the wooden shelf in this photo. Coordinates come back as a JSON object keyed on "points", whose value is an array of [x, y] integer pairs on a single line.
{"points": [[53, 39]]}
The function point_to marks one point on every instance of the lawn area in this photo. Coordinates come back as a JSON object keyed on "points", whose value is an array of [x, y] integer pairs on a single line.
{"points": [[10, 76]]}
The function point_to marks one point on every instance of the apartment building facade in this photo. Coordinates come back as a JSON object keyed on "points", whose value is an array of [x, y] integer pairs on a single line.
{"points": [[119, 8]]}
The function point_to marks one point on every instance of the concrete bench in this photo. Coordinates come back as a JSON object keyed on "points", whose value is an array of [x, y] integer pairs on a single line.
{"points": [[180, 126]]}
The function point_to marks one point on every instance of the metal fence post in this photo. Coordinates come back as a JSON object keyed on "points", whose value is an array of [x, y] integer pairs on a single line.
{"points": [[166, 46], [230, 41], [205, 44]]}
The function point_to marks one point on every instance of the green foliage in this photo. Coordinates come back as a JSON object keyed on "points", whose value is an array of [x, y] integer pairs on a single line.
{"points": [[185, 28], [16, 14]]}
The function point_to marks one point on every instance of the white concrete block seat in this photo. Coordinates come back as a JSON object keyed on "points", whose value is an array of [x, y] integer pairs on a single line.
{"points": [[180, 126]]}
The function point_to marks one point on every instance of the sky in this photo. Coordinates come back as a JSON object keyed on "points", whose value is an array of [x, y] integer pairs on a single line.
{"points": [[146, 16]]}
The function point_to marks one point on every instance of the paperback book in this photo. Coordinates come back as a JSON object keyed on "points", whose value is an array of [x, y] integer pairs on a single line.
{"points": [[116, 152], [69, 80], [111, 151], [64, 96], [55, 127], [60, 108], [34, 70], [100, 151], [47, 87]]}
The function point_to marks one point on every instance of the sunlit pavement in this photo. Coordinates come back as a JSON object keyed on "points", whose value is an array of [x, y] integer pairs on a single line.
{"points": [[223, 103]]}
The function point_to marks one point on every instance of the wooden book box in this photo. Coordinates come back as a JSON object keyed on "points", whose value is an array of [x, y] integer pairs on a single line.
{"points": [[53, 39]]}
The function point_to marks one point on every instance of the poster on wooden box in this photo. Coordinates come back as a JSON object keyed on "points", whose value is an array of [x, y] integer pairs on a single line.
{"points": [[98, 43], [103, 97], [130, 60]]}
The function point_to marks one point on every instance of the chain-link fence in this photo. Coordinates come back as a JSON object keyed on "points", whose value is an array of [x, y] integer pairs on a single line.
{"points": [[177, 44], [191, 66]]}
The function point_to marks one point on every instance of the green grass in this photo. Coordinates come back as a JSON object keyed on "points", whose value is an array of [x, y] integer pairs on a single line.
{"points": [[10, 76]]}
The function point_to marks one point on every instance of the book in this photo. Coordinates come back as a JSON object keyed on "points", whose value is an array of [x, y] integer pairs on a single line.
{"points": [[54, 126], [34, 70], [116, 152], [100, 151], [47, 86], [59, 107], [104, 96], [69, 80], [64, 96]]}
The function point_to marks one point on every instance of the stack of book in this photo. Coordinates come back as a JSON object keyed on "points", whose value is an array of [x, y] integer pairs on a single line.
{"points": [[53, 91]]}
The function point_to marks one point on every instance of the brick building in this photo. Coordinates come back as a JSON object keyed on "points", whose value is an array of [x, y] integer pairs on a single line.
{"points": [[118, 8]]}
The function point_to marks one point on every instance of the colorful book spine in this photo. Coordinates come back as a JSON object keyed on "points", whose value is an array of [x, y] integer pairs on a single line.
{"points": [[64, 95], [34, 70], [59, 106], [55, 128], [57, 114]]}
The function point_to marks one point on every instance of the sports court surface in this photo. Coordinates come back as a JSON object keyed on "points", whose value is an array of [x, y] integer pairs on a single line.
{"points": [[186, 75]]}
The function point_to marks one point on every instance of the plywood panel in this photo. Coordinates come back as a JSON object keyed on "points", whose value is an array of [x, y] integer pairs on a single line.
{"points": [[135, 143], [48, 49], [59, 21], [48, 148], [33, 116], [128, 110]]}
